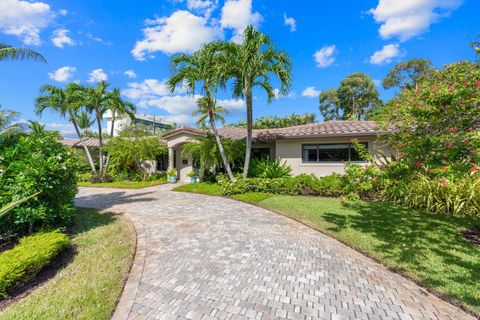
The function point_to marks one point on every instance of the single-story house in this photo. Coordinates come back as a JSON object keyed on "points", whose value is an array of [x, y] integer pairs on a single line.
{"points": [[319, 148]]}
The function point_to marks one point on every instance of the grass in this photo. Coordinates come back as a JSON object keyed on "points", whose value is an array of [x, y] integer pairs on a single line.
{"points": [[429, 249], [88, 287], [252, 197], [123, 184], [209, 188]]}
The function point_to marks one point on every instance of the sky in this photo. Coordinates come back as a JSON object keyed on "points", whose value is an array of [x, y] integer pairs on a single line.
{"points": [[130, 43]]}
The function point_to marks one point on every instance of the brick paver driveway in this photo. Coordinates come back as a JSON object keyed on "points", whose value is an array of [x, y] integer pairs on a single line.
{"points": [[202, 257]]}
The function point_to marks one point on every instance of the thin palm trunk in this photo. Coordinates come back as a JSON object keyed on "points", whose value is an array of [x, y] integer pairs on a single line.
{"points": [[111, 136], [100, 144], [248, 149], [84, 145], [220, 147]]}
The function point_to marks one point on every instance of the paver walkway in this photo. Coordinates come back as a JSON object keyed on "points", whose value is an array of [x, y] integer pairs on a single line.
{"points": [[202, 257]]}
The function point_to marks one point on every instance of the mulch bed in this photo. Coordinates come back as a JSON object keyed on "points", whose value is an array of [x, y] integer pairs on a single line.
{"points": [[60, 262], [473, 234]]}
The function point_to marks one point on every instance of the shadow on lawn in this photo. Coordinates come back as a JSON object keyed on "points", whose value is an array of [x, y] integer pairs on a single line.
{"points": [[432, 246]]}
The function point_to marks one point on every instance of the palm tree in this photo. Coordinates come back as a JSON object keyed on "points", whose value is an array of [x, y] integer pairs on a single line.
{"points": [[118, 107], [8, 52], [6, 119], [202, 67], [250, 65], [66, 102], [97, 99], [36, 127], [84, 122]]}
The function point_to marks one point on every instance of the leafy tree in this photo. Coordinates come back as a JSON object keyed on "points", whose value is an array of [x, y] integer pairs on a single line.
{"points": [[8, 52], [84, 122], [97, 99], [329, 105], [354, 99], [436, 126], [66, 102], [278, 122], [250, 64], [202, 67], [406, 75]]}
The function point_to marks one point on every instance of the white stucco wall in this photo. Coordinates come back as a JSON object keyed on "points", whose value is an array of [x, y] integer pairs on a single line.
{"points": [[291, 152], [176, 143]]}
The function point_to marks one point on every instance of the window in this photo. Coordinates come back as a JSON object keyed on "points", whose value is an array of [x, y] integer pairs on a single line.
{"points": [[330, 152]]}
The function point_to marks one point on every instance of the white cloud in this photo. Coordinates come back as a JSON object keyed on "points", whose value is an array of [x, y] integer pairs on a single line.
{"points": [[237, 15], [63, 12], [130, 73], [180, 32], [408, 18], [62, 74], [290, 22], [205, 7], [310, 92], [386, 54], [325, 56], [377, 82], [98, 39], [232, 104], [60, 38], [97, 75], [147, 90], [63, 128], [24, 19]]}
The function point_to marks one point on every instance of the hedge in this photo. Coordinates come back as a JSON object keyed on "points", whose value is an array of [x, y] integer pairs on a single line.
{"points": [[22, 263]]}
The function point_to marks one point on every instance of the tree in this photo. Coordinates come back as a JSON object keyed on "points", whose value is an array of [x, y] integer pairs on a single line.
{"points": [[66, 102], [203, 67], [329, 105], [36, 127], [6, 121], [8, 52], [271, 122], [84, 122], [97, 100], [406, 75], [250, 65]]}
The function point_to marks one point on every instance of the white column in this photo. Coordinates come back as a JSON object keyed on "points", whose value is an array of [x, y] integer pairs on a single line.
{"points": [[170, 158]]}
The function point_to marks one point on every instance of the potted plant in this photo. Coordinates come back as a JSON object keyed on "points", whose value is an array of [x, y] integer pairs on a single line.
{"points": [[193, 176], [172, 175]]}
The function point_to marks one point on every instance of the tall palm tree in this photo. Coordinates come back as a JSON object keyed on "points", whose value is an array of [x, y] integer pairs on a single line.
{"points": [[6, 121], [202, 67], [84, 122], [8, 52], [66, 102], [118, 107], [250, 65], [96, 100], [36, 127]]}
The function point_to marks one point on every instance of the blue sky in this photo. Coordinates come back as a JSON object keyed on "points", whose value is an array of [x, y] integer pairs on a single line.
{"points": [[130, 44]]}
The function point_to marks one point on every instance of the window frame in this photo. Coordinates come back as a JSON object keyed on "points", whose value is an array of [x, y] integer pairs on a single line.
{"points": [[350, 147]]}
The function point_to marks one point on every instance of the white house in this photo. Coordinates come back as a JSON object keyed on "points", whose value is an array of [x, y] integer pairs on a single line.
{"points": [[150, 121]]}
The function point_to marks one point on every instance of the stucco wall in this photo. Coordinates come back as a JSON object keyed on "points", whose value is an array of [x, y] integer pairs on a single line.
{"points": [[291, 152]]}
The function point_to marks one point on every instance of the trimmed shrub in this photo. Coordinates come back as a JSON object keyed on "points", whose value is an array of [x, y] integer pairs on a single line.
{"points": [[269, 169], [37, 162], [22, 263], [364, 181]]}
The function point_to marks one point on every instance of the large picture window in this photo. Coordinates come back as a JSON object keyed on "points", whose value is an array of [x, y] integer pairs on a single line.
{"points": [[337, 152]]}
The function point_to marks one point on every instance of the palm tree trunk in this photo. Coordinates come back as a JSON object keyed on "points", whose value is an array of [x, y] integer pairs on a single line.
{"points": [[248, 149], [220, 147], [111, 136], [84, 145], [100, 145]]}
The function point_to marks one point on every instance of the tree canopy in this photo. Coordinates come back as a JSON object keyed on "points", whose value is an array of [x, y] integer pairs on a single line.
{"points": [[406, 75]]}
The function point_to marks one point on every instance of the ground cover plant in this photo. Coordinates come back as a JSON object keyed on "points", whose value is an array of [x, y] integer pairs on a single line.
{"points": [[90, 285]]}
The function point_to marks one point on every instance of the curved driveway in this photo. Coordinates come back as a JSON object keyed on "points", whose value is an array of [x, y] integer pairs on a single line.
{"points": [[201, 257]]}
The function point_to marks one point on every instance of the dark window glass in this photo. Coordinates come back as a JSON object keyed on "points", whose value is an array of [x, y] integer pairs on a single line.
{"points": [[330, 152]]}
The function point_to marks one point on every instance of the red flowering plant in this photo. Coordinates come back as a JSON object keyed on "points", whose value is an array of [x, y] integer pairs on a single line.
{"points": [[436, 125]]}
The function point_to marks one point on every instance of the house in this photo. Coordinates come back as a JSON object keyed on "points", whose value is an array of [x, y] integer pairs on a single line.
{"points": [[319, 148], [150, 121]]}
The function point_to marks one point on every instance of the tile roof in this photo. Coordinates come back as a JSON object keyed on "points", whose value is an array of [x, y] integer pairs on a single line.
{"points": [[318, 129], [75, 143]]}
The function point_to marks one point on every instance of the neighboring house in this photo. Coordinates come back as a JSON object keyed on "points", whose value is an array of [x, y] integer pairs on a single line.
{"points": [[319, 148], [154, 122]]}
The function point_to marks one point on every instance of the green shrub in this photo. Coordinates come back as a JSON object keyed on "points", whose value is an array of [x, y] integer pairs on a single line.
{"points": [[22, 263], [269, 169], [364, 181], [36, 163], [438, 195]]}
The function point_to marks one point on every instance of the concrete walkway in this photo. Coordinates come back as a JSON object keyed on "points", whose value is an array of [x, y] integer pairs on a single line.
{"points": [[201, 257]]}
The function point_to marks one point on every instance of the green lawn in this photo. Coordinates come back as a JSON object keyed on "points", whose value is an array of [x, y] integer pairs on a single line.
{"points": [[123, 184], [89, 286], [427, 248], [209, 188]]}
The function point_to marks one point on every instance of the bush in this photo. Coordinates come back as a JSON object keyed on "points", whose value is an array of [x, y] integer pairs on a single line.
{"points": [[269, 169], [22, 263], [364, 181], [37, 163]]}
